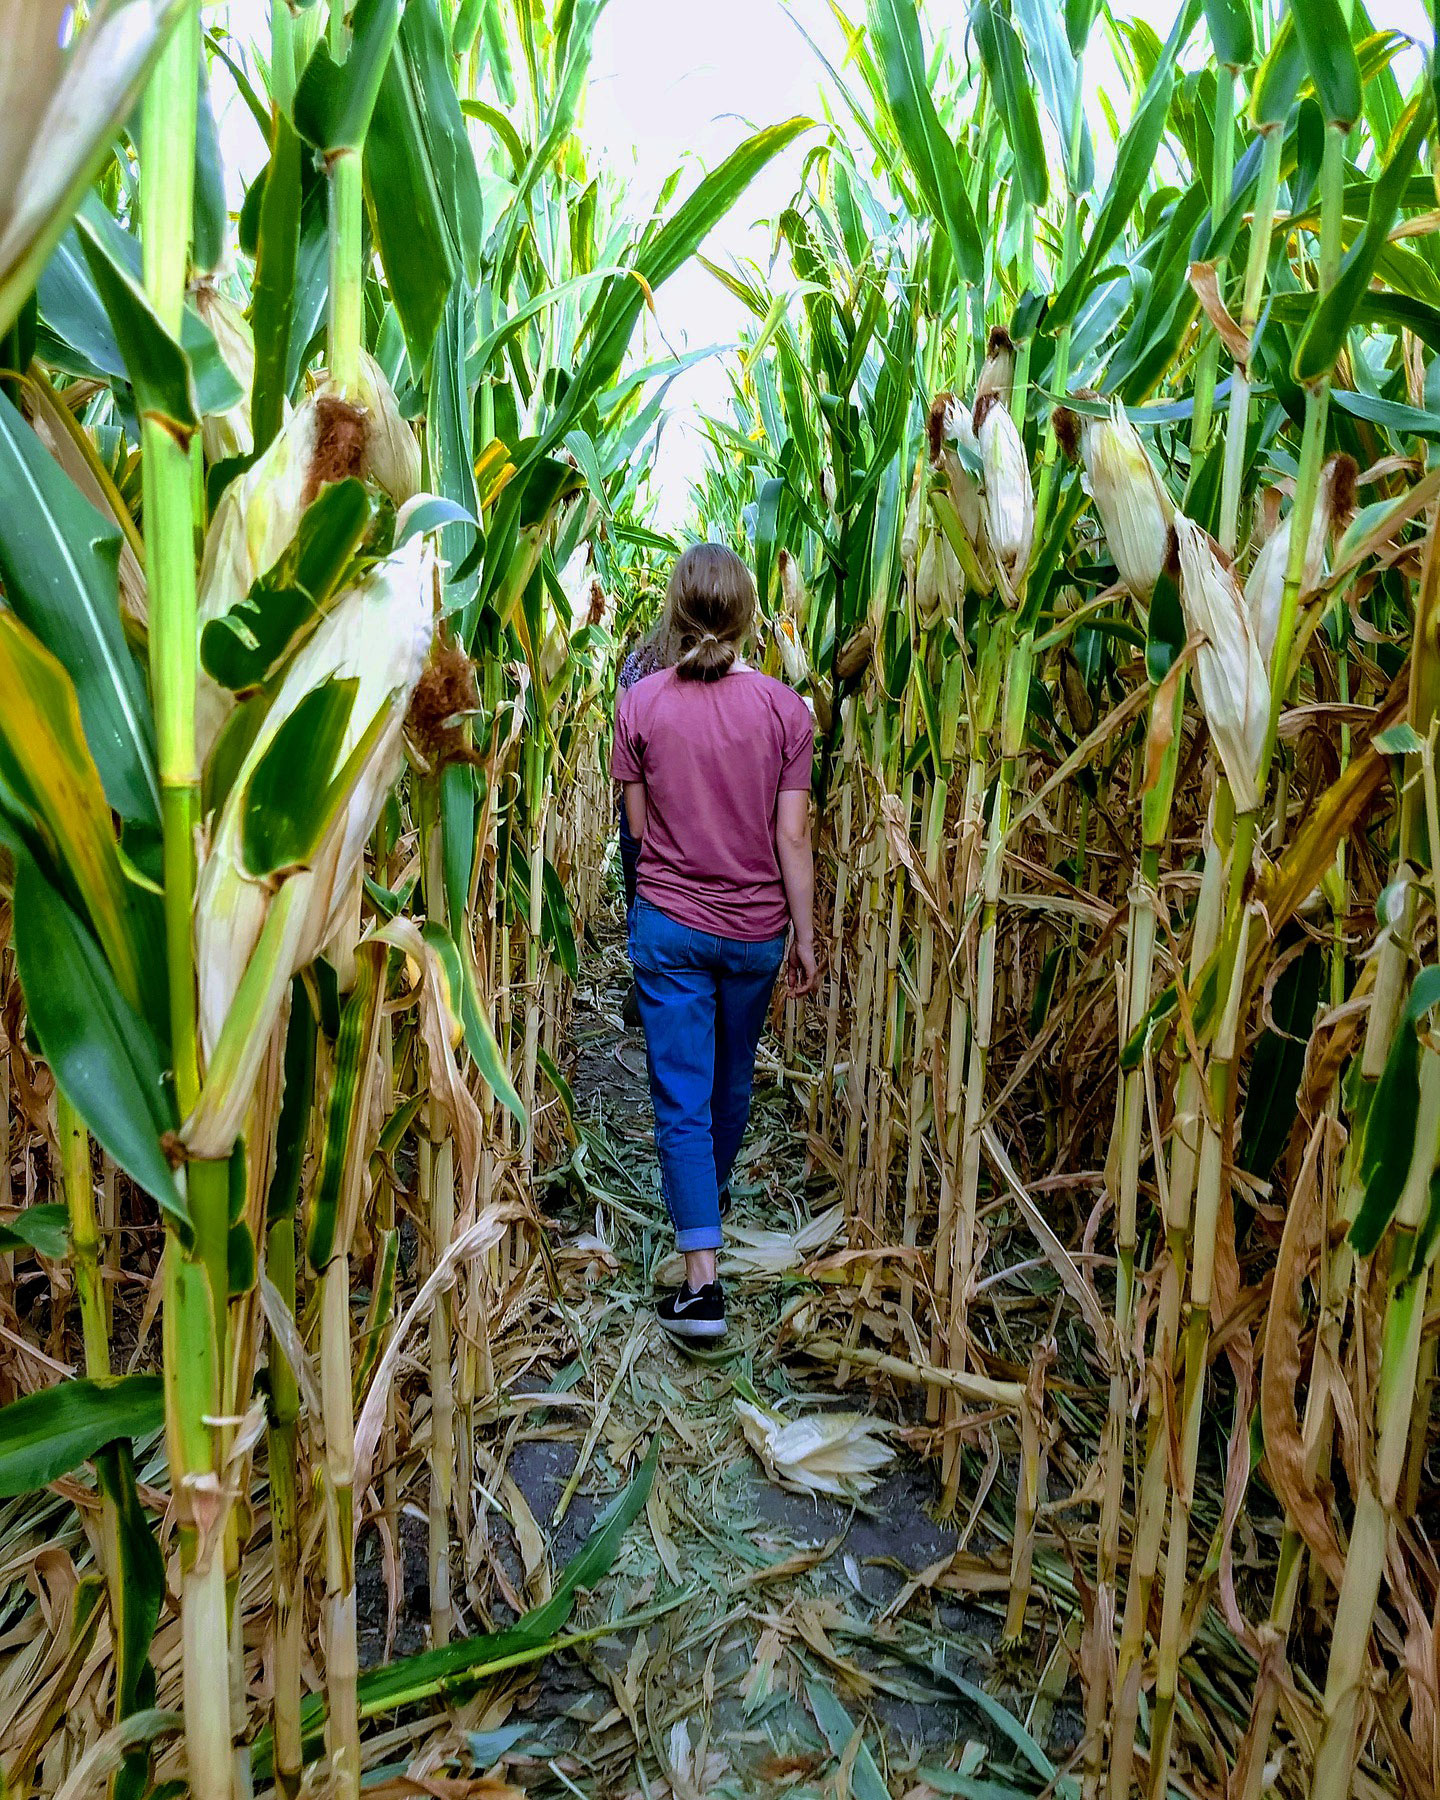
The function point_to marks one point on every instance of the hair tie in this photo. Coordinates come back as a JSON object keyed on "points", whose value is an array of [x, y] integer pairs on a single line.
{"points": [[705, 637]]}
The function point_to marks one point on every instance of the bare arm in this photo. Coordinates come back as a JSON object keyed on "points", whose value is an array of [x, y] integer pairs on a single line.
{"points": [[635, 807], [797, 871]]}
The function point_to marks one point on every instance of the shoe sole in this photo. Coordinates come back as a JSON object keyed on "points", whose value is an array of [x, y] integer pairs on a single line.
{"points": [[694, 1328]]}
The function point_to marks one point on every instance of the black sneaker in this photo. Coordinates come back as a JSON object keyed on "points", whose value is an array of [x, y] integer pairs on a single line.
{"points": [[691, 1315]]}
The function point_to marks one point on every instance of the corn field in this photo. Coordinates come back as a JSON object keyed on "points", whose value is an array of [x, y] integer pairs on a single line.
{"points": [[1082, 449]]}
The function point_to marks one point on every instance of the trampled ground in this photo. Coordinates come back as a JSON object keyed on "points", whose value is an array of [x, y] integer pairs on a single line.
{"points": [[748, 1640]]}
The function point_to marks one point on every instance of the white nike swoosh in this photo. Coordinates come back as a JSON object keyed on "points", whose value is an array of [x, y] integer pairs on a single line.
{"points": [[685, 1305]]}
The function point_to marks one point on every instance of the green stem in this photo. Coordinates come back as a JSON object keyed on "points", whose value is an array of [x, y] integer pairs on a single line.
{"points": [[1237, 423], [196, 1276], [84, 1234], [346, 274]]}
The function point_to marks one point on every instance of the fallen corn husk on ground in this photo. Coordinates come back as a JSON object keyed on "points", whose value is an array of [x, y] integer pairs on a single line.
{"points": [[823, 1453]]}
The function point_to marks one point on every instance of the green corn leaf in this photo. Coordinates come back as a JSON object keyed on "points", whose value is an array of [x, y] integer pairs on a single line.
{"points": [[347, 1120], [272, 290], [501, 126], [1003, 57], [616, 313], [895, 30], [458, 1668], [465, 1006], [47, 1434], [1391, 312], [552, 1072], [1232, 33], [334, 101], [59, 563], [456, 1665], [421, 182], [207, 237], [1324, 334], [457, 831], [298, 1097], [101, 1051], [44, 1229], [1058, 75], [1079, 17], [497, 49], [1277, 80], [157, 367], [1389, 1143], [1399, 420], [284, 820], [86, 343], [135, 1596], [582, 447], [838, 1730], [244, 646], [574, 35], [1134, 167], [381, 1312], [559, 922], [1324, 39], [450, 431]]}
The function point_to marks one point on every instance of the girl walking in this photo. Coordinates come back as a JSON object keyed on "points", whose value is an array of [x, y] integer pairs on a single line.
{"points": [[715, 759]]}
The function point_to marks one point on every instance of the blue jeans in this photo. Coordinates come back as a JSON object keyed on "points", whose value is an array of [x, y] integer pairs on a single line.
{"points": [[703, 1002], [629, 858]]}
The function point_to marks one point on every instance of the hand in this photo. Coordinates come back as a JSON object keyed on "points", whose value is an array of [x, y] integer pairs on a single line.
{"points": [[802, 975]]}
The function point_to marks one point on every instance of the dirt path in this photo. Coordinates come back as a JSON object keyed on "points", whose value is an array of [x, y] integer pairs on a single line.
{"points": [[795, 1644]]}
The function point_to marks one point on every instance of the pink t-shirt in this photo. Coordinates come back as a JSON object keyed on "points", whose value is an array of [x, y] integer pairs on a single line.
{"points": [[714, 757]]}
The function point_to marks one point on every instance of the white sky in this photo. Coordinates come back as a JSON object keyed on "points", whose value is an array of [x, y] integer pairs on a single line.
{"points": [[673, 80]]}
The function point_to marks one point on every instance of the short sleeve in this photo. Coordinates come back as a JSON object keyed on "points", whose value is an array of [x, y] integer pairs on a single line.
{"points": [[798, 754], [625, 764]]}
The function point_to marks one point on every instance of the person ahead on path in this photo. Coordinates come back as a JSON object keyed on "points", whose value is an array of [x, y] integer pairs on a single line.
{"points": [[715, 760]]}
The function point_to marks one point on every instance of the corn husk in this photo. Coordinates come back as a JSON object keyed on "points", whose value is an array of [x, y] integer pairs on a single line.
{"points": [[997, 372], [1265, 585], [952, 429], [793, 659], [793, 592], [584, 591], [379, 632], [392, 452], [1230, 674], [855, 653], [1009, 496], [1130, 498], [325, 439], [939, 580], [910, 530], [228, 434], [826, 1453]]}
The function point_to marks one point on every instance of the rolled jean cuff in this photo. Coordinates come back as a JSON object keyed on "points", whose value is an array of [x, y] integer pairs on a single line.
{"points": [[700, 1237]]}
